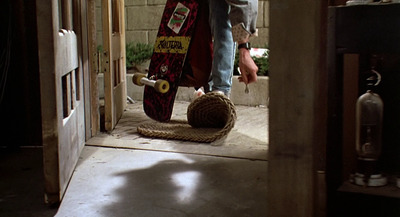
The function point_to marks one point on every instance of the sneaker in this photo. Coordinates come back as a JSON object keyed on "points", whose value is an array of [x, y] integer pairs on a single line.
{"points": [[221, 92], [198, 93]]}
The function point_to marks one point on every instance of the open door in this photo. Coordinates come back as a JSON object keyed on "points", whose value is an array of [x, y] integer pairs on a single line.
{"points": [[61, 85], [113, 64]]}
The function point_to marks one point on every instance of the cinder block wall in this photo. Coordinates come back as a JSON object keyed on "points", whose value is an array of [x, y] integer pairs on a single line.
{"points": [[142, 19]]}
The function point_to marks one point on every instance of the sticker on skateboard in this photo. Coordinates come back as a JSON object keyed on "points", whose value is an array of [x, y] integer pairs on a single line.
{"points": [[178, 17], [172, 44]]}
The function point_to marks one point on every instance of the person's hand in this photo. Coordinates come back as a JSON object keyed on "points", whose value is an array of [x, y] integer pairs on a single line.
{"points": [[247, 67]]}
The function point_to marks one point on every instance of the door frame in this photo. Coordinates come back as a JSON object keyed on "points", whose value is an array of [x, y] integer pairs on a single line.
{"points": [[113, 61], [63, 72]]}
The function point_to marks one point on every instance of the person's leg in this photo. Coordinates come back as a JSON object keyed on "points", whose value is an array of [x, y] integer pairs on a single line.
{"points": [[224, 47]]}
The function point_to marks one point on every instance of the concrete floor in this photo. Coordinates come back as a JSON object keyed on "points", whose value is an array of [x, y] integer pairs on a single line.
{"points": [[21, 184], [125, 174]]}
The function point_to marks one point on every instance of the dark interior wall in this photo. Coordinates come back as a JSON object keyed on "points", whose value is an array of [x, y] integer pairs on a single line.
{"points": [[20, 89], [337, 2]]}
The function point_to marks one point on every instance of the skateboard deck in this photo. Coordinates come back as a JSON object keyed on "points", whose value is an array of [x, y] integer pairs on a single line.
{"points": [[170, 51]]}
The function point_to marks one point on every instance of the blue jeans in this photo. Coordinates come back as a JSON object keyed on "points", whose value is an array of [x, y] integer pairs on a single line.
{"points": [[224, 47]]}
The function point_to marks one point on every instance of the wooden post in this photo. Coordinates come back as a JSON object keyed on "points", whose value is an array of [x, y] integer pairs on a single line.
{"points": [[297, 107], [94, 67]]}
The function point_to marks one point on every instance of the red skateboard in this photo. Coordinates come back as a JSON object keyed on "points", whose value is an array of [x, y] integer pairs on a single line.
{"points": [[182, 56]]}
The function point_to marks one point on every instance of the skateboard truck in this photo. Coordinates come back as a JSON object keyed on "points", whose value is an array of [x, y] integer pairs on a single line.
{"points": [[160, 85]]}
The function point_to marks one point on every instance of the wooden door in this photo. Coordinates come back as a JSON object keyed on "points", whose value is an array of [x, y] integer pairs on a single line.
{"points": [[113, 61], [61, 66]]}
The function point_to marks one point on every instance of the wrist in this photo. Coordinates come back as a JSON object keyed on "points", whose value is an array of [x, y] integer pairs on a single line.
{"points": [[244, 55]]}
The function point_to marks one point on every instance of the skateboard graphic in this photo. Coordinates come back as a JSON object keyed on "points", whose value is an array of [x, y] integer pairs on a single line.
{"points": [[172, 56]]}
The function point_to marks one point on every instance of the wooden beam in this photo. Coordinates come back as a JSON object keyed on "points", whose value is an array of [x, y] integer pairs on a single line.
{"points": [[94, 67], [295, 99]]}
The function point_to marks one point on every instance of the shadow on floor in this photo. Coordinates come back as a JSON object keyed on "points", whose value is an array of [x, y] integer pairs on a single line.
{"points": [[21, 184], [177, 188], [126, 182]]}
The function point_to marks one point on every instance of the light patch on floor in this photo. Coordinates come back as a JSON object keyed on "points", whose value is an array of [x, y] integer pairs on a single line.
{"points": [[187, 182]]}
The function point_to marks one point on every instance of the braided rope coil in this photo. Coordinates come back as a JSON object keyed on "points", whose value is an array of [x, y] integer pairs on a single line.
{"points": [[210, 117]]}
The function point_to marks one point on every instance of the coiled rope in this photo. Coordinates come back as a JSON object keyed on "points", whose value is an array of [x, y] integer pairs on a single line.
{"points": [[209, 118]]}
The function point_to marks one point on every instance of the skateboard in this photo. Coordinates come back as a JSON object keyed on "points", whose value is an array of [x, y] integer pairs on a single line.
{"points": [[174, 63]]}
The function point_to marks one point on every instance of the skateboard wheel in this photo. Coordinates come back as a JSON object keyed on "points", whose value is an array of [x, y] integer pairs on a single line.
{"points": [[161, 86], [136, 78]]}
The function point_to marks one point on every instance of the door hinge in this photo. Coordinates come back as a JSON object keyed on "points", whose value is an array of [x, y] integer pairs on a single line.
{"points": [[98, 56], [104, 61]]}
